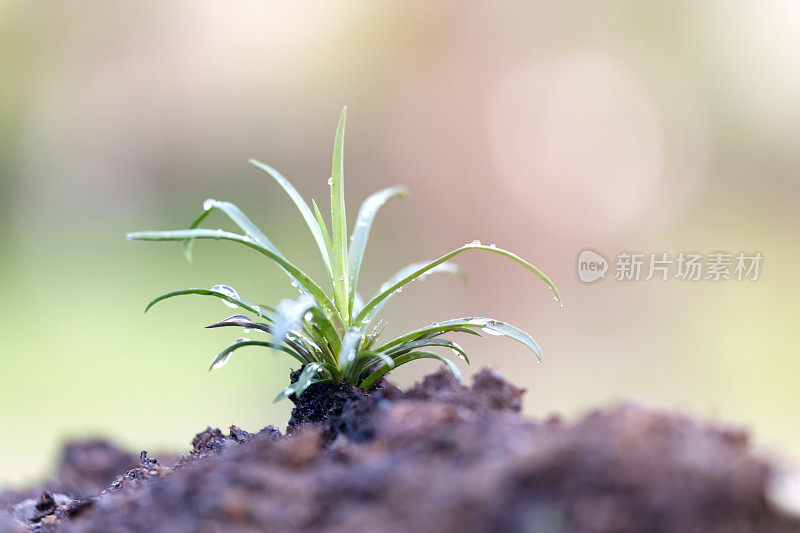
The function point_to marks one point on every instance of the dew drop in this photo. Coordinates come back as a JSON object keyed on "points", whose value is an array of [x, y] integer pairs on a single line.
{"points": [[129, 236], [246, 238], [493, 245], [308, 316], [330, 181], [246, 330], [241, 339], [294, 284], [222, 362], [209, 203], [228, 291], [476, 242]]}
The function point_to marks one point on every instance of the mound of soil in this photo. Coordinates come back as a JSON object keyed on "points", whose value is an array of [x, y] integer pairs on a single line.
{"points": [[439, 457]]}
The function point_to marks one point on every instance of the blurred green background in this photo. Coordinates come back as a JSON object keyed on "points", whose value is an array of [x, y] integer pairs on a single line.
{"points": [[544, 127]]}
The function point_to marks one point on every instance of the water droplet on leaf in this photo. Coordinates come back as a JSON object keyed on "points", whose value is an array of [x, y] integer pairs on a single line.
{"points": [[228, 291], [222, 362]]}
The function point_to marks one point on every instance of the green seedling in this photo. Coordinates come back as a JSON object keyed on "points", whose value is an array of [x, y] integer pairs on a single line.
{"points": [[336, 338]]}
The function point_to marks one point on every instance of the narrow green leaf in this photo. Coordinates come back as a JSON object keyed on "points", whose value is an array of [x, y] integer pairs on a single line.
{"points": [[358, 241], [300, 345], [241, 321], [256, 310], [372, 337], [297, 275], [315, 225], [240, 219], [363, 361], [327, 328], [375, 376], [225, 355], [339, 223], [388, 291], [429, 343], [376, 355], [487, 325], [187, 243]]}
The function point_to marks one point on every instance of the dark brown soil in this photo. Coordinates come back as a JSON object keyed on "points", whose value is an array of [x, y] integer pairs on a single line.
{"points": [[436, 458]]}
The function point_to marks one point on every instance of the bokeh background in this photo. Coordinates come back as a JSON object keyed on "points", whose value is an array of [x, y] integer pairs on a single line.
{"points": [[546, 128]]}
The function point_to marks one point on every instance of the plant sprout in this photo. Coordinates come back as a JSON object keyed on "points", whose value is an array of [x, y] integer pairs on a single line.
{"points": [[336, 339]]}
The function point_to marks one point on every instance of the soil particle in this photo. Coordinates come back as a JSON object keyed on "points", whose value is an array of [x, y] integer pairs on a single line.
{"points": [[32, 511], [442, 457]]}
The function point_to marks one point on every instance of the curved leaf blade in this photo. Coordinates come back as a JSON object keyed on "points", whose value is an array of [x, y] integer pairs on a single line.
{"points": [[311, 221], [224, 356], [429, 343], [186, 244], [256, 310], [362, 361], [294, 273], [358, 241], [488, 325], [375, 376], [388, 291], [240, 219]]}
